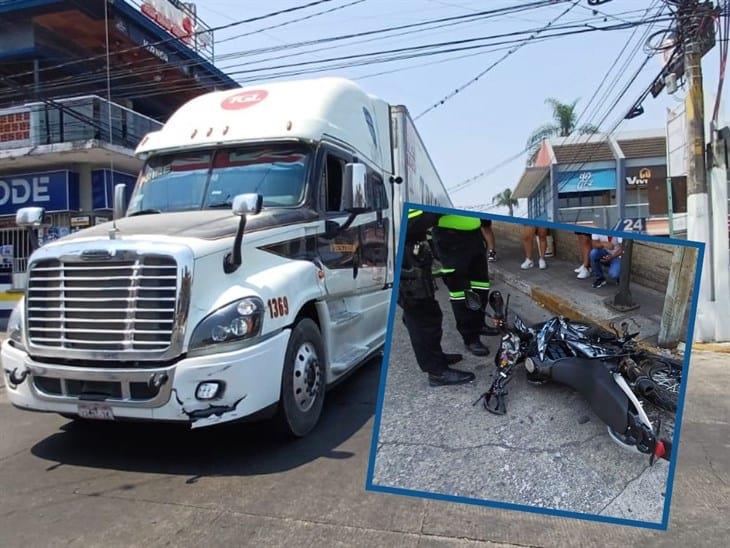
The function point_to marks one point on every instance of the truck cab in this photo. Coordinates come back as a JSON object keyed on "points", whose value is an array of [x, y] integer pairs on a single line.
{"points": [[251, 269]]}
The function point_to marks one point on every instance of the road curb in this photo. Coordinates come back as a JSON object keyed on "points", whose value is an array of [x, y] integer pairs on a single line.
{"points": [[722, 348]]}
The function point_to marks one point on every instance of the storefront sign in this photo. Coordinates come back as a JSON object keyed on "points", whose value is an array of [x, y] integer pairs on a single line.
{"points": [[80, 221], [587, 180], [171, 16], [640, 177], [55, 191], [102, 187]]}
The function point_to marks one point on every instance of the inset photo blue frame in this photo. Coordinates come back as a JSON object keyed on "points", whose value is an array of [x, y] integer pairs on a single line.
{"points": [[486, 451]]}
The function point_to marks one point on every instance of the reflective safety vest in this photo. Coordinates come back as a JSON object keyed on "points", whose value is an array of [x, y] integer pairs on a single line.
{"points": [[459, 222]]}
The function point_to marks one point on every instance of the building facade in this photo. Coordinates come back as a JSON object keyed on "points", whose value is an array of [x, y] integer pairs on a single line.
{"points": [[616, 181], [64, 141]]}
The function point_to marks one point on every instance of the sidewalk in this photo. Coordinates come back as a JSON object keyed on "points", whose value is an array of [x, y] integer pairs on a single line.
{"points": [[558, 290]]}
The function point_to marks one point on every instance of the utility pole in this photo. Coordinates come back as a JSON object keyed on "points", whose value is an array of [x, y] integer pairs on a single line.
{"points": [[690, 19], [693, 16]]}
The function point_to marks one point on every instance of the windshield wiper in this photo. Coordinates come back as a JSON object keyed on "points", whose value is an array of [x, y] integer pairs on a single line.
{"points": [[149, 211]]}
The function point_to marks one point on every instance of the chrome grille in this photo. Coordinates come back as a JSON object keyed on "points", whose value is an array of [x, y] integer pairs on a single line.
{"points": [[112, 305]]}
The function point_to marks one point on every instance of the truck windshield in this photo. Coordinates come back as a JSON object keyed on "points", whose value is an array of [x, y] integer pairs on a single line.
{"points": [[211, 179]]}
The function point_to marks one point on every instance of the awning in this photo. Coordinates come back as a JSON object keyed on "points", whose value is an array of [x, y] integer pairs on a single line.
{"points": [[529, 181]]}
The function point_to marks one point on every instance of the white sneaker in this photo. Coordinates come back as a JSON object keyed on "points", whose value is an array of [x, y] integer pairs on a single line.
{"points": [[541, 262], [527, 264], [583, 273], [577, 270]]}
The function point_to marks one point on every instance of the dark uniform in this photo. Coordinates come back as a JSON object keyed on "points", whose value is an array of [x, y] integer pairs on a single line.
{"points": [[461, 249], [421, 313]]}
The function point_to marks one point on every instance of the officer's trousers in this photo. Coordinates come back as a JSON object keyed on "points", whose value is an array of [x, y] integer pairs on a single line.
{"points": [[464, 260], [423, 318]]}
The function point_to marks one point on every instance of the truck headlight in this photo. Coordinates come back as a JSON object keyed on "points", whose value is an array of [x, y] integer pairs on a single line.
{"points": [[16, 327], [232, 323]]}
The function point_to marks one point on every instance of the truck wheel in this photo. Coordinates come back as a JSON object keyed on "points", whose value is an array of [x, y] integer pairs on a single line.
{"points": [[303, 380]]}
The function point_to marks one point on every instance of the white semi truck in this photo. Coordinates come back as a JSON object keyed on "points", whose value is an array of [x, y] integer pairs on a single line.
{"points": [[251, 269]]}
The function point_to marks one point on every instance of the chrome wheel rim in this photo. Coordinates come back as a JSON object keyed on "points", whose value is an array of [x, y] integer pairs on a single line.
{"points": [[666, 380], [307, 377]]}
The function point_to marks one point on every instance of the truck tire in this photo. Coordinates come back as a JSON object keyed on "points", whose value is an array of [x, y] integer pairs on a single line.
{"points": [[303, 381]]}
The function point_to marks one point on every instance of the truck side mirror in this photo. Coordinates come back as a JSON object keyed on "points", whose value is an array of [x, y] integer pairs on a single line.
{"points": [[355, 195], [31, 218], [243, 204], [120, 200]]}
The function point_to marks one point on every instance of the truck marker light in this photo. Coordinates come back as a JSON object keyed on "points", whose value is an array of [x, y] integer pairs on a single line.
{"points": [[209, 390]]}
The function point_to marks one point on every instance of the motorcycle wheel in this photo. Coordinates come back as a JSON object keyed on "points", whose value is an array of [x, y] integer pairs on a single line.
{"points": [[668, 379]]}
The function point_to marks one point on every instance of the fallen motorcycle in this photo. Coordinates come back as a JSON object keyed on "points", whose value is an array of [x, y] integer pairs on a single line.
{"points": [[608, 369]]}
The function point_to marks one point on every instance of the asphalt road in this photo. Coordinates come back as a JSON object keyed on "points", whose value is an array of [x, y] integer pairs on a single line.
{"points": [[549, 451], [134, 485]]}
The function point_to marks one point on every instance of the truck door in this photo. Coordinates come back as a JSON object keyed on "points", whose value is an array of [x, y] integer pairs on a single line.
{"points": [[374, 238], [338, 254]]}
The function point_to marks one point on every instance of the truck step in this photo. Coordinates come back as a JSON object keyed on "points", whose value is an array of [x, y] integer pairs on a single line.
{"points": [[350, 357]]}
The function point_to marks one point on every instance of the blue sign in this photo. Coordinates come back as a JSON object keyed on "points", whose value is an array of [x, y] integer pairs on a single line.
{"points": [[102, 187], [587, 180], [53, 190]]}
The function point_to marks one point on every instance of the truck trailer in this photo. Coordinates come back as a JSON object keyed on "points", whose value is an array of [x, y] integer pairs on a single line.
{"points": [[251, 269]]}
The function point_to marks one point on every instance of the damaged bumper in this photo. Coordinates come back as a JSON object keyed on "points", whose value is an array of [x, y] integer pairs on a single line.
{"points": [[250, 379]]}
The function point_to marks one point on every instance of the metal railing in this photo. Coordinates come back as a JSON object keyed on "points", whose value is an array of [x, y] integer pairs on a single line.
{"points": [[599, 216], [636, 210], [76, 119]]}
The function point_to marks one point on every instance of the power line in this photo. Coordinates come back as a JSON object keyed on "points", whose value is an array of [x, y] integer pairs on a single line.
{"points": [[497, 62], [176, 39], [130, 70], [383, 56]]}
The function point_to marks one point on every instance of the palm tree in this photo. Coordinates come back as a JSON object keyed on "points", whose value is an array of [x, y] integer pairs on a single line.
{"points": [[564, 120], [505, 199]]}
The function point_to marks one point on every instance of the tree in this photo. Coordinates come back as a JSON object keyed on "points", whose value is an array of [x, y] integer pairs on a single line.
{"points": [[505, 199], [563, 125]]}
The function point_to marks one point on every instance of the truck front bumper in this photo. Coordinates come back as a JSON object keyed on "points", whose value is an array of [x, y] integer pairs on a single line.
{"points": [[250, 377]]}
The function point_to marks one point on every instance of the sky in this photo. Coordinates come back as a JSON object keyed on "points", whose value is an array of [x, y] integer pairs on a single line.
{"points": [[489, 121]]}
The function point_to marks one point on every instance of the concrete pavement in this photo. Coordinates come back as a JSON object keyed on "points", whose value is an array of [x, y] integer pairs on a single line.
{"points": [[549, 451]]}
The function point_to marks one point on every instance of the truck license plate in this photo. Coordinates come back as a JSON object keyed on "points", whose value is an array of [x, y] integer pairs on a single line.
{"points": [[97, 411]]}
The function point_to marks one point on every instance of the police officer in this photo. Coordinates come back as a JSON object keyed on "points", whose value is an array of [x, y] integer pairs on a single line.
{"points": [[421, 313], [460, 246]]}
